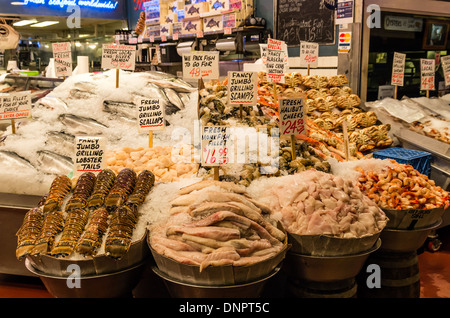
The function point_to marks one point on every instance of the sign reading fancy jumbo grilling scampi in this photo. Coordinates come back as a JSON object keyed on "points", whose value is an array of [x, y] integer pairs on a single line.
{"points": [[242, 88]]}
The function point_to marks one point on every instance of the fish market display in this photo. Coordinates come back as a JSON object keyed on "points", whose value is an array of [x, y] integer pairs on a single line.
{"points": [[399, 186], [168, 163], [100, 215], [317, 203], [215, 223], [90, 105]]}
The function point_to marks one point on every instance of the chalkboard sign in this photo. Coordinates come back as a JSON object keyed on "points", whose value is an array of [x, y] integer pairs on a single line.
{"points": [[304, 20]]}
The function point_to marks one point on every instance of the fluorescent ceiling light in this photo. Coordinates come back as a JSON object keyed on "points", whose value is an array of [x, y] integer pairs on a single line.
{"points": [[44, 24], [24, 22], [84, 35], [17, 3]]}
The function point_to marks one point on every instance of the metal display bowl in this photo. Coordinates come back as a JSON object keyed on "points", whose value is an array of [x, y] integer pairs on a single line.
{"points": [[327, 245], [179, 289], [412, 219], [326, 268], [395, 240], [96, 265], [113, 285]]}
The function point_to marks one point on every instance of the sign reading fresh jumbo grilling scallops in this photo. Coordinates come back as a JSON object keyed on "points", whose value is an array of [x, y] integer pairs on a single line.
{"points": [[118, 57], [150, 114], [292, 116], [15, 105], [242, 88], [89, 154]]}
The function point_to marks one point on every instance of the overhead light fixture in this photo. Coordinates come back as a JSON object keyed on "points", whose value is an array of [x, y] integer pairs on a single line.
{"points": [[44, 24], [17, 3], [24, 22]]}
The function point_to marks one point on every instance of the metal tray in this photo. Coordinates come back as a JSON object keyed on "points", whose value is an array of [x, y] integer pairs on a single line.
{"points": [[96, 265], [412, 219], [327, 245]]}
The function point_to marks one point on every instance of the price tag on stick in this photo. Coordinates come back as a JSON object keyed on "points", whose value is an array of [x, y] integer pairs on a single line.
{"points": [[119, 57], [215, 142], [151, 116], [427, 75], [398, 71], [242, 88], [275, 61], [446, 68], [292, 119], [14, 106], [89, 154], [201, 65], [62, 54], [309, 55]]}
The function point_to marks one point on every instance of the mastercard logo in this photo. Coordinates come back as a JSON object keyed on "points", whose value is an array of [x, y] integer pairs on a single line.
{"points": [[345, 37]]}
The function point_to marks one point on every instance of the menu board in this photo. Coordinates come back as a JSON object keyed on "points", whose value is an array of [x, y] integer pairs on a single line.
{"points": [[427, 74], [62, 54], [304, 20], [398, 69], [121, 57], [15, 105]]}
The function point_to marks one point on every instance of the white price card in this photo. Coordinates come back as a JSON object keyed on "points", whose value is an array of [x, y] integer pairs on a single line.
{"points": [[62, 54], [150, 114], [242, 88], [275, 61], [309, 54], [446, 68], [398, 69], [15, 105], [201, 65], [89, 154], [427, 74], [292, 116], [121, 57], [215, 146]]}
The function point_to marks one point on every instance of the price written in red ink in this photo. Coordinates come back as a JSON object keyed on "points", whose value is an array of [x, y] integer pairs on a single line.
{"points": [[292, 116], [215, 156]]}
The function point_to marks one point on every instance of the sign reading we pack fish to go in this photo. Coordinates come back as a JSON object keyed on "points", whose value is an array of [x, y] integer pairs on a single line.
{"points": [[118, 57], [242, 88], [62, 54], [201, 65]]}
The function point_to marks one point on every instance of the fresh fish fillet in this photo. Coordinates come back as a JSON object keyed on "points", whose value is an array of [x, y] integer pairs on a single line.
{"points": [[212, 232], [211, 196], [231, 186]]}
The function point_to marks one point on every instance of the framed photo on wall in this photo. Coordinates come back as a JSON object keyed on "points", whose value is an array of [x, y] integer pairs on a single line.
{"points": [[436, 35]]}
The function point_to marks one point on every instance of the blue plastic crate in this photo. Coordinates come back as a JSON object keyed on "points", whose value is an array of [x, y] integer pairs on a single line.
{"points": [[420, 160]]}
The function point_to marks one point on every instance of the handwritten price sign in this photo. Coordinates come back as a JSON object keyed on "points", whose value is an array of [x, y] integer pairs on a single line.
{"points": [[201, 64], [446, 68], [292, 116], [242, 88], [121, 57], [275, 61], [215, 140], [62, 53], [398, 69], [309, 54], [427, 74]]}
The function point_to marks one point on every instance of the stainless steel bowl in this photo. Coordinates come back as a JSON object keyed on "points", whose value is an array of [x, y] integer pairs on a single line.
{"points": [[178, 289], [412, 219], [113, 285], [399, 241], [326, 268]]}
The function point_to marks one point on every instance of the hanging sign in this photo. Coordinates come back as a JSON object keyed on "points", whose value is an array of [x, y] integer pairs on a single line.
{"points": [[398, 69], [309, 54], [292, 116], [62, 54], [90, 154], [201, 65], [275, 61], [15, 105], [215, 145], [242, 88], [427, 74], [118, 57], [150, 114]]}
